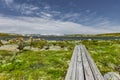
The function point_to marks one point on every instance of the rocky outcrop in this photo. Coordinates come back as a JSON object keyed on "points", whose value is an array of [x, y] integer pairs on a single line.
{"points": [[112, 76], [12, 47]]}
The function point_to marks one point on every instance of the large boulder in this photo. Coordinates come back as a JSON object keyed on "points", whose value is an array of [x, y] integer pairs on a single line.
{"points": [[55, 48], [4, 42], [112, 76], [9, 47]]}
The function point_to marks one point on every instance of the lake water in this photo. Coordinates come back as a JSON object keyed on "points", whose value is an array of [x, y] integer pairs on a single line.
{"points": [[67, 38]]}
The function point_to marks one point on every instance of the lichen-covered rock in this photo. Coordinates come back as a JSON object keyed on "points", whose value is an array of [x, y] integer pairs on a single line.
{"points": [[9, 47], [27, 48], [4, 42], [55, 48], [31, 48], [112, 76]]}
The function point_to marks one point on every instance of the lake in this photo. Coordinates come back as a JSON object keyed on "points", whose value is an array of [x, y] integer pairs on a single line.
{"points": [[65, 38]]}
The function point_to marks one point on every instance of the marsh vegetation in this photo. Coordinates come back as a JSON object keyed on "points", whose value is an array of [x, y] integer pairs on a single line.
{"points": [[38, 59]]}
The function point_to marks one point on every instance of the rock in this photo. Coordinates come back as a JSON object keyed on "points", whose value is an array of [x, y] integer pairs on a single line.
{"points": [[35, 49], [55, 48], [112, 76], [9, 47], [45, 48], [65, 48], [4, 42], [31, 48], [27, 48]]}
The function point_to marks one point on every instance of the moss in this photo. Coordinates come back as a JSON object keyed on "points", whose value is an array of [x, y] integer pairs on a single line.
{"points": [[44, 65]]}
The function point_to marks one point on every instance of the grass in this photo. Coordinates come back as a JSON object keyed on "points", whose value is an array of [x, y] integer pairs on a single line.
{"points": [[109, 34], [106, 54], [31, 65], [53, 65], [4, 34], [9, 34]]}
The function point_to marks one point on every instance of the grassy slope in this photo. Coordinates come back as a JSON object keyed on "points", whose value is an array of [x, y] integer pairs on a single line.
{"points": [[72, 35], [8, 34], [4, 34], [109, 34], [94, 35]]}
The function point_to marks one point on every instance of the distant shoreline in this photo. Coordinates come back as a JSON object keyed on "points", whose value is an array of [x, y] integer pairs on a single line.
{"points": [[60, 38]]}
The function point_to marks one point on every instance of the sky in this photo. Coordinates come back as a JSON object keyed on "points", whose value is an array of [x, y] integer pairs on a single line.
{"points": [[58, 17]]}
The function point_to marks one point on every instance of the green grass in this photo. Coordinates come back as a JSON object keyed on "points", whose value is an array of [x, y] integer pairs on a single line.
{"points": [[30, 65], [109, 34], [4, 34], [53, 65], [106, 54], [9, 34]]}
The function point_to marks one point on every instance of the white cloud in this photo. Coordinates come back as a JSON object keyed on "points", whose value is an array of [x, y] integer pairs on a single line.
{"points": [[88, 11], [23, 8], [47, 7], [8, 2], [45, 15], [27, 9], [45, 26], [85, 17]]}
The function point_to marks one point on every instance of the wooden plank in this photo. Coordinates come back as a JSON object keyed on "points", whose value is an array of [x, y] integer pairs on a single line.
{"points": [[86, 67], [82, 66], [96, 73], [79, 71], [71, 70], [74, 68]]}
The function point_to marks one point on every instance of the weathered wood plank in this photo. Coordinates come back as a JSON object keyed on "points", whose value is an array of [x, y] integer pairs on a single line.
{"points": [[71, 69], [82, 66], [96, 72], [79, 71], [86, 67], [73, 75]]}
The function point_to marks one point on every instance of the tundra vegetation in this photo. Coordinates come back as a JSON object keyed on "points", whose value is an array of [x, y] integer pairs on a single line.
{"points": [[38, 59], [106, 54]]}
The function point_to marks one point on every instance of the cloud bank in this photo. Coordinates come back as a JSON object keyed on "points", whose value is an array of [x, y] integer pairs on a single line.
{"points": [[45, 26], [43, 20]]}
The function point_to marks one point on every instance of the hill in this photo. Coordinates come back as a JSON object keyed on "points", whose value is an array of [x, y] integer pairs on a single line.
{"points": [[109, 34], [9, 34], [70, 35]]}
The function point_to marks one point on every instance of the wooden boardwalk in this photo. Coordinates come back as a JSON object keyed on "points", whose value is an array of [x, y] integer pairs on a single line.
{"points": [[82, 66]]}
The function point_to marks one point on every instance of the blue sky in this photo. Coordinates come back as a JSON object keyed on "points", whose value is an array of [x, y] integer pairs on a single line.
{"points": [[59, 16]]}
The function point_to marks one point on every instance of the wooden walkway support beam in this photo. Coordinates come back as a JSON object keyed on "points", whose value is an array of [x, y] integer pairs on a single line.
{"points": [[82, 66]]}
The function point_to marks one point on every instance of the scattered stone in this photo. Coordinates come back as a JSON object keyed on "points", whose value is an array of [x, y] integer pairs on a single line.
{"points": [[12, 47], [27, 48], [112, 76], [45, 48], [31, 48], [65, 48], [55, 48], [4, 42], [35, 49]]}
